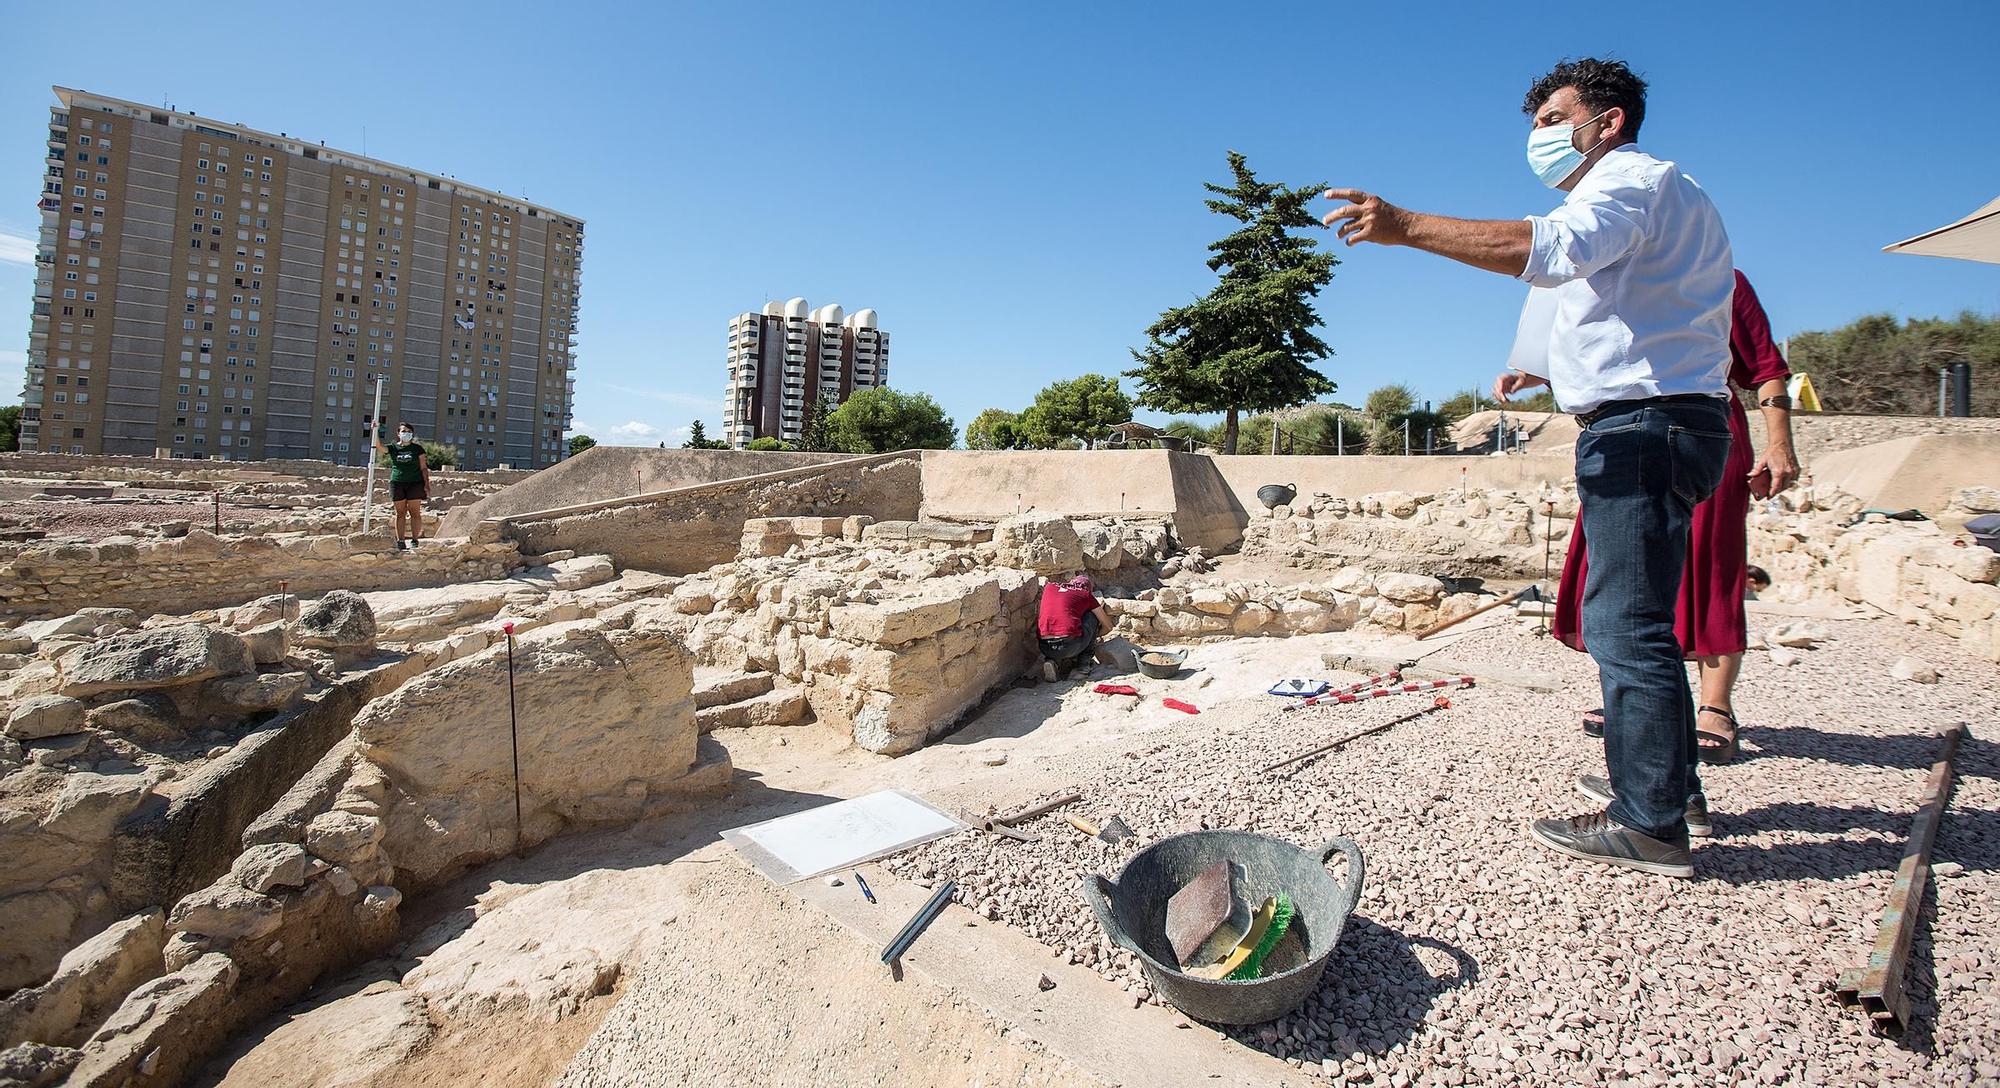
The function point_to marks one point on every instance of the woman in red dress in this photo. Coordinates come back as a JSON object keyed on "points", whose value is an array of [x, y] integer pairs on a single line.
{"points": [[1710, 621]]}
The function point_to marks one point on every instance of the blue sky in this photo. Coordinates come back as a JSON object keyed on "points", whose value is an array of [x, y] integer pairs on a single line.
{"points": [[1016, 188]]}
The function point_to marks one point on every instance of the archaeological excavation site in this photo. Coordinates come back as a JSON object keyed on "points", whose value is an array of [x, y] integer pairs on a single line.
{"points": [[717, 767]]}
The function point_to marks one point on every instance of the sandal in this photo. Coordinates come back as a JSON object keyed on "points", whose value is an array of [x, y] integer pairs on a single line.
{"points": [[1593, 723], [1725, 746]]}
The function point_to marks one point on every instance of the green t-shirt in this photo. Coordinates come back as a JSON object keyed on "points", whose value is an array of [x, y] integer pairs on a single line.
{"points": [[403, 466]]}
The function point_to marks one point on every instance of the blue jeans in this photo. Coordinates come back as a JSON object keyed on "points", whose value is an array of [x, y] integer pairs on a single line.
{"points": [[1641, 466]]}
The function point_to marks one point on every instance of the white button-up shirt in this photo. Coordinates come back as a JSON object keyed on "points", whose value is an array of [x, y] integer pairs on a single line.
{"points": [[1632, 278]]}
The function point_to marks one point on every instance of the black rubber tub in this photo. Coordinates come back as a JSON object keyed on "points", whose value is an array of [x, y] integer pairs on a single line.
{"points": [[1275, 495], [1133, 912]]}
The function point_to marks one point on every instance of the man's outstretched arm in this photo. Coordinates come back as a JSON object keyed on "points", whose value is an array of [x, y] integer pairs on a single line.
{"points": [[1496, 245]]}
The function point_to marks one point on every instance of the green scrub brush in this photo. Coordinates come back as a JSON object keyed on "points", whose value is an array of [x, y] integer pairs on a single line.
{"points": [[1281, 920]]}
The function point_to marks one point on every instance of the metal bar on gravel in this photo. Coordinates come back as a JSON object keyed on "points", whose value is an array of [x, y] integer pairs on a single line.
{"points": [[1878, 986]]}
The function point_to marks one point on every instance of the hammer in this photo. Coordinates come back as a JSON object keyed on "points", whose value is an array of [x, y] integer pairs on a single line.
{"points": [[1113, 831]]}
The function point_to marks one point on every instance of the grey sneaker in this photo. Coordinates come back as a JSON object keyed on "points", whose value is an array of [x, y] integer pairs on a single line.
{"points": [[1048, 672], [1598, 788], [1597, 837]]}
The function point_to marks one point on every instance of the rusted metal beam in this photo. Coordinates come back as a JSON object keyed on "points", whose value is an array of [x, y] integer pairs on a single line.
{"points": [[1878, 986]]}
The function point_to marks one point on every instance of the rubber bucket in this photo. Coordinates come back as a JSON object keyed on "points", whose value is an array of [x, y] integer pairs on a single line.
{"points": [[1133, 912], [1275, 495]]}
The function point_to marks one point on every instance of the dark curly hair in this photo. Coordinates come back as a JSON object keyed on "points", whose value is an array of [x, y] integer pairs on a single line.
{"points": [[1600, 85]]}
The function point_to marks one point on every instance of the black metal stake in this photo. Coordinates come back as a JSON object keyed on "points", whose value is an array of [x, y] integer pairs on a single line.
{"points": [[1548, 558], [513, 735], [217, 496]]}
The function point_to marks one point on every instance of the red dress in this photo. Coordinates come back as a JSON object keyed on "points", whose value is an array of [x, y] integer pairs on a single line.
{"points": [[1710, 619]]}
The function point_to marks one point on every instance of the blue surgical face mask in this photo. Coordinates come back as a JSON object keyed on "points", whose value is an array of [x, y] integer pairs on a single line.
{"points": [[1552, 153]]}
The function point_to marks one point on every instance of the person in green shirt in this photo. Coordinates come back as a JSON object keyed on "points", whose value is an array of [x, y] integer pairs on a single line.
{"points": [[409, 483]]}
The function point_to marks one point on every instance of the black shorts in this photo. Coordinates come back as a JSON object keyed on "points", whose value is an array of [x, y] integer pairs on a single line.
{"points": [[405, 492]]}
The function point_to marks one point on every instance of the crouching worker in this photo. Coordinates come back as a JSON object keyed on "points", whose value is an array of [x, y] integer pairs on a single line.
{"points": [[1070, 625]]}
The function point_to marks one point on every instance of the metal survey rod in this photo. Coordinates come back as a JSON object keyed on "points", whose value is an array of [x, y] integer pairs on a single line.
{"points": [[1442, 703], [919, 922], [1524, 593], [374, 436], [1878, 987]]}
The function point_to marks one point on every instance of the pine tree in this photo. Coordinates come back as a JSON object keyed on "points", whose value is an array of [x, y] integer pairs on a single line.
{"points": [[1249, 344], [698, 439], [818, 434]]}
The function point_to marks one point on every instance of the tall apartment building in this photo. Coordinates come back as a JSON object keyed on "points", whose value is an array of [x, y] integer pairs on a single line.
{"points": [[215, 291], [781, 359]]}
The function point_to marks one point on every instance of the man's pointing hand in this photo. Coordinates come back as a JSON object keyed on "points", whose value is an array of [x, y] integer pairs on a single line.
{"points": [[1367, 219]]}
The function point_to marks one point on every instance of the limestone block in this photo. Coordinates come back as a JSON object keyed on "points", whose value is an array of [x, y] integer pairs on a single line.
{"points": [[718, 689], [1043, 543], [37, 928], [89, 806], [583, 571], [855, 526], [781, 706], [1103, 547], [1913, 670], [1251, 619], [1352, 580], [341, 620], [148, 716], [1797, 634], [268, 643], [154, 1024], [253, 692], [88, 984], [158, 658], [1212, 600], [271, 865], [1974, 564], [1178, 624], [1409, 588], [343, 837], [596, 709], [83, 622], [1397, 504], [895, 622], [1306, 617], [263, 611], [693, 598], [44, 716], [15, 642]]}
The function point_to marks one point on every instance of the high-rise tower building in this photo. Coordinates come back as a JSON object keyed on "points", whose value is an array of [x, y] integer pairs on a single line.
{"points": [[215, 291], [781, 360]]}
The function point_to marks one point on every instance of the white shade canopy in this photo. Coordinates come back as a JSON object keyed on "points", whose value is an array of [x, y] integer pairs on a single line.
{"points": [[1973, 238]]}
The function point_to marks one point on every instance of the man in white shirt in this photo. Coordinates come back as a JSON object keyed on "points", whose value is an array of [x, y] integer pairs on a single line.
{"points": [[1629, 325]]}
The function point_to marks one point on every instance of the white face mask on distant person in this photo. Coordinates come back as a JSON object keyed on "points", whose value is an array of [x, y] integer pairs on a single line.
{"points": [[406, 436], [1552, 152]]}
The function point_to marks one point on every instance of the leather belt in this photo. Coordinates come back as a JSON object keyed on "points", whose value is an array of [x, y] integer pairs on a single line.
{"points": [[1587, 418]]}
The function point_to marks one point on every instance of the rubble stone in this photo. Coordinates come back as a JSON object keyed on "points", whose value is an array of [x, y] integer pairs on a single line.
{"points": [[44, 716], [159, 658], [341, 620]]}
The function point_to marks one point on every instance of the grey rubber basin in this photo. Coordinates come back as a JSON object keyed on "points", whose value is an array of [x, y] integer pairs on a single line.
{"points": [[1133, 912]]}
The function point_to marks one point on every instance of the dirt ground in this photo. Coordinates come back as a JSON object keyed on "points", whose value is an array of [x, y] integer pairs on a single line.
{"points": [[653, 955]]}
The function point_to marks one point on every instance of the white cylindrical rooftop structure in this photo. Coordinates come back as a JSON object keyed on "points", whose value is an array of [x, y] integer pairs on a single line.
{"points": [[795, 308], [862, 319], [831, 313], [774, 308]]}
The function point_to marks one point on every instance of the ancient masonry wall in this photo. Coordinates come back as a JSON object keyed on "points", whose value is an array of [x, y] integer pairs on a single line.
{"points": [[33, 464], [695, 528], [1460, 533], [1213, 609], [1912, 570], [202, 570]]}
